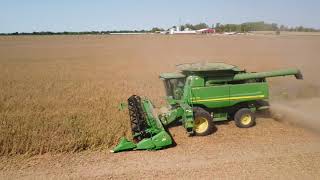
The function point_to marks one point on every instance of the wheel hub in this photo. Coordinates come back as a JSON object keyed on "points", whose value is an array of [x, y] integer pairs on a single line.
{"points": [[201, 125], [246, 119]]}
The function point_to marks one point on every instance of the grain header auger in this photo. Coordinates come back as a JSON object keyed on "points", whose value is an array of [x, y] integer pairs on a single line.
{"points": [[198, 96]]}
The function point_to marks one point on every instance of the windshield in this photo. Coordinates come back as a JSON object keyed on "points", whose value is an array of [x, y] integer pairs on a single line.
{"points": [[174, 87]]}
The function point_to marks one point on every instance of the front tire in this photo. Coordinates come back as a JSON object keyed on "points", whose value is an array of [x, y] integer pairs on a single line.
{"points": [[203, 123], [244, 118]]}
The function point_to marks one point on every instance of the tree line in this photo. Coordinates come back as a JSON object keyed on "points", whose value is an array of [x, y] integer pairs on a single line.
{"points": [[244, 27], [220, 28], [260, 26], [75, 33]]}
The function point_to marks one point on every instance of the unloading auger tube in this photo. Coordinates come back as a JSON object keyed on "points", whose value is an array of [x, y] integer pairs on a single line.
{"points": [[147, 130]]}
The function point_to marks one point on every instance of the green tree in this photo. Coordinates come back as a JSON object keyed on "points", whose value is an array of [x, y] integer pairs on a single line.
{"points": [[200, 26], [190, 26], [156, 29]]}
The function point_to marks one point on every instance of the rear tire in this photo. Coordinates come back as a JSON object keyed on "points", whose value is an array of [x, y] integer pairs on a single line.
{"points": [[203, 123], [244, 118]]}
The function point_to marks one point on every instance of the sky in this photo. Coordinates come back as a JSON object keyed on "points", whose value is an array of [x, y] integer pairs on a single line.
{"points": [[100, 15]]}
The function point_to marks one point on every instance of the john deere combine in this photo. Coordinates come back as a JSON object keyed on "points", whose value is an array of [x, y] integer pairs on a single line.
{"points": [[198, 96]]}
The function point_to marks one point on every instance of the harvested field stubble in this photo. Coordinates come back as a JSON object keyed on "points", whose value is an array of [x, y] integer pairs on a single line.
{"points": [[61, 93]]}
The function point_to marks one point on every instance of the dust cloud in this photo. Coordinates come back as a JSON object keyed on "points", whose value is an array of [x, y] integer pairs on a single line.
{"points": [[303, 113]]}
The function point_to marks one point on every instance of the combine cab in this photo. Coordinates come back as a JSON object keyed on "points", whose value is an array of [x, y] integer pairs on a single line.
{"points": [[198, 96]]}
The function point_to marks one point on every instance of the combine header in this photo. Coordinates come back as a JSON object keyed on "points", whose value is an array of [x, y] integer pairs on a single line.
{"points": [[198, 96]]}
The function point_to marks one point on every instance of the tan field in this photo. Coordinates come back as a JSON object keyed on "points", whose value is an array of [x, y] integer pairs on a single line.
{"points": [[59, 96]]}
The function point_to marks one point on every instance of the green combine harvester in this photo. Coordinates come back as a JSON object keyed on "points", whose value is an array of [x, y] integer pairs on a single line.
{"points": [[198, 96]]}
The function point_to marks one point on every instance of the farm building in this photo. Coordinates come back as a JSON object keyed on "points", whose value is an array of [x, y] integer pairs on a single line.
{"points": [[189, 31]]}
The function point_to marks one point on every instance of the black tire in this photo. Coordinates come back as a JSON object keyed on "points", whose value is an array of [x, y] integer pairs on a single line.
{"points": [[244, 118], [200, 114]]}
